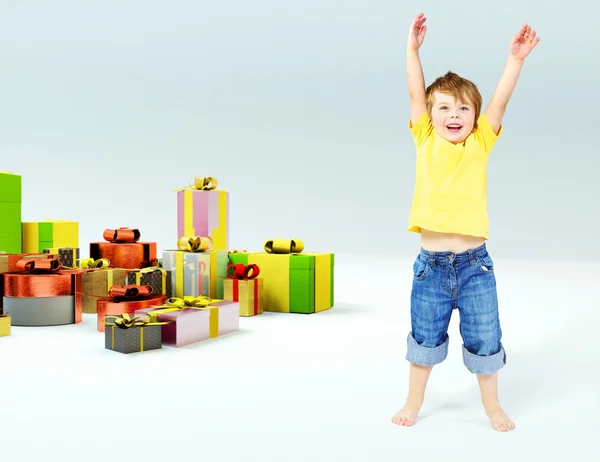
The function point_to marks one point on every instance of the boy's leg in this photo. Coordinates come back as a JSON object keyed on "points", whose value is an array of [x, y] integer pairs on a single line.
{"points": [[431, 309], [483, 353]]}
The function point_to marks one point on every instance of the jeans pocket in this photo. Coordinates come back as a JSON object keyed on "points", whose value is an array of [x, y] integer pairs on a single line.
{"points": [[486, 264], [420, 268]]}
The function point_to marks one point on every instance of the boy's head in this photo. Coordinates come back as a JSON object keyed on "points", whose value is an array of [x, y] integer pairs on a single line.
{"points": [[454, 105]]}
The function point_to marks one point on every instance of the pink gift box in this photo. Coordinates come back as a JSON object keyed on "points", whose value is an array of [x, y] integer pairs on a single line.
{"points": [[193, 325]]}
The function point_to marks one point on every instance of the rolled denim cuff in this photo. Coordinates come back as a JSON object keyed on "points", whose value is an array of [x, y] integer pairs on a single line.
{"points": [[426, 356], [484, 364]]}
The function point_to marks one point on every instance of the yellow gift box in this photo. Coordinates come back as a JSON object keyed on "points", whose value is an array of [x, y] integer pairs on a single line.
{"points": [[294, 281], [248, 292], [4, 323], [49, 234]]}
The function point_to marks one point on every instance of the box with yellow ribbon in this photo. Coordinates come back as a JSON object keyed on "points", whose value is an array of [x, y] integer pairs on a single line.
{"points": [[10, 212], [127, 334], [244, 286], [4, 323], [97, 279], [194, 319], [203, 210], [68, 256], [49, 234], [294, 281], [196, 270], [160, 279]]}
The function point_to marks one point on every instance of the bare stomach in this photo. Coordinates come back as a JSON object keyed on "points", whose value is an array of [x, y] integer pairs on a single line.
{"points": [[441, 242]]}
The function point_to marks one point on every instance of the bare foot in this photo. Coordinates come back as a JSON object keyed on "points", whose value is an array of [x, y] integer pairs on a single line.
{"points": [[407, 416], [500, 421]]}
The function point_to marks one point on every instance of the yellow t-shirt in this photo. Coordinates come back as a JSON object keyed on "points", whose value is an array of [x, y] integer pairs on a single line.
{"points": [[450, 194]]}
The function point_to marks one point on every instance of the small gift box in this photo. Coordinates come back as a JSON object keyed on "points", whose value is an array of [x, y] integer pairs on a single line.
{"points": [[195, 270], [156, 277], [10, 213], [97, 280], [194, 319], [132, 335], [42, 294], [4, 323], [68, 256], [123, 249], [38, 236], [244, 286], [294, 281], [203, 210], [8, 262], [126, 300]]}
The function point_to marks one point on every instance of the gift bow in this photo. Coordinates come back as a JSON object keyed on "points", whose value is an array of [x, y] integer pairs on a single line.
{"points": [[194, 244], [243, 271], [125, 321], [284, 246], [91, 263], [122, 235], [50, 265], [237, 251], [202, 184], [130, 291]]}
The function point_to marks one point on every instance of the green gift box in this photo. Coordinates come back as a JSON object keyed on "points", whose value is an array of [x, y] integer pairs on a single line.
{"points": [[10, 213]]}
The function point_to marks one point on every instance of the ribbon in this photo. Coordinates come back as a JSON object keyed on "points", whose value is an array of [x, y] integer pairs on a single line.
{"points": [[208, 183], [284, 246], [242, 271], [122, 235], [4, 313], [178, 304], [90, 263], [237, 251], [130, 292], [38, 266], [194, 244]]}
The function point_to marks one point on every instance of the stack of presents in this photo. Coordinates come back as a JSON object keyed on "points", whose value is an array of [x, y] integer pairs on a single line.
{"points": [[195, 291]]}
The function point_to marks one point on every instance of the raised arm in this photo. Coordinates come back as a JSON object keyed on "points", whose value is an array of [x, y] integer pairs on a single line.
{"points": [[414, 71], [520, 46]]}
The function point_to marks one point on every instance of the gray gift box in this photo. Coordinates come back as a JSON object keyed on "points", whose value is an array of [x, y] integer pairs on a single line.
{"points": [[133, 339]]}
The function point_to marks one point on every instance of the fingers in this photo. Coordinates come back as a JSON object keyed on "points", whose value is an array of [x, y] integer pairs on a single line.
{"points": [[418, 22]]}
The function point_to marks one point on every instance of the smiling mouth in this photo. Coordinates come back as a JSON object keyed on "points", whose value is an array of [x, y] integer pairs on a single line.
{"points": [[454, 128]]}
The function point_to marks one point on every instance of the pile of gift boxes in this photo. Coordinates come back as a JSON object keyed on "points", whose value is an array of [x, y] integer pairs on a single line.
{"points": [[142, 300]]}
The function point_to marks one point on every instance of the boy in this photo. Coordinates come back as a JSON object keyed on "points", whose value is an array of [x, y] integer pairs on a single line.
{"points": [[449, 210]]}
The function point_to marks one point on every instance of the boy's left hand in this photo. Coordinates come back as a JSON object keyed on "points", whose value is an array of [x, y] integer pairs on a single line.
{"points": [[522, 43]]}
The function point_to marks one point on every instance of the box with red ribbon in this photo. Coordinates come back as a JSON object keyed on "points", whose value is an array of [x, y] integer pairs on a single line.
{"points": [[126, 300], [42, 293], [123, 249], [244, 286], [192, 319]]}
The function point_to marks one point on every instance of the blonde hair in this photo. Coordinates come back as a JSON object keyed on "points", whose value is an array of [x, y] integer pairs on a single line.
{"points": [[458, 87]]}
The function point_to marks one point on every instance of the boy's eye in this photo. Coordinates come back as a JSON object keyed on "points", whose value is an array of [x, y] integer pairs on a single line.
{"points": [[465, 108], [443, 107]]}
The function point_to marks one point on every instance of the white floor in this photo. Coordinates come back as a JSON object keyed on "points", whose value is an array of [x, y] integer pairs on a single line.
{"points": [[315, 388]]}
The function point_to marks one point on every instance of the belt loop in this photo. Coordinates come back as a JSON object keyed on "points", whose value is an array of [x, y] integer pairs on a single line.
{"points": [[432, 259], [472, 258]]}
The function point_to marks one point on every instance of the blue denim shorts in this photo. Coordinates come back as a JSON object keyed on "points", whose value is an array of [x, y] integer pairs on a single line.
{"points": [[442, 282]]}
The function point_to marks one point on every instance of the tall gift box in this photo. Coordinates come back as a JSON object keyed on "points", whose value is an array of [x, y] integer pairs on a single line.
{"points": [[4, 323], [49, 234], [244, 286], [97, 280], [10, 213], [123, 249], [126, 300], [40, 293], [203, 210], [194, 319], [195, 270], [156, 277], [294, 281]]}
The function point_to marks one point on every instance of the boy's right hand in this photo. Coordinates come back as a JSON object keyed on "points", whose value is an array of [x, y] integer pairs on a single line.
{"points": [[416, 34]]}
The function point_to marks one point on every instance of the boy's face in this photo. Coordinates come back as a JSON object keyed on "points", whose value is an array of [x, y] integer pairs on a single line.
{"points": [[453, 120]]}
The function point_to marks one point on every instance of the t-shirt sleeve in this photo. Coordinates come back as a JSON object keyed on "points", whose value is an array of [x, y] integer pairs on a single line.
{"points": [[422, 129], [485, 133]]}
